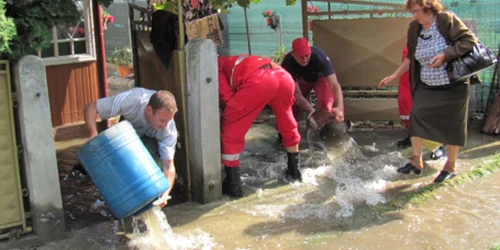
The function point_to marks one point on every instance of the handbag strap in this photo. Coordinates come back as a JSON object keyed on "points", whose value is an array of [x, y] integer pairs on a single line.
{"points": [[445, 35], [443, 32]]}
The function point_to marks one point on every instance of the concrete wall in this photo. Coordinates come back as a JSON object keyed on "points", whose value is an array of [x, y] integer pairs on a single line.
{"points": [[39, 154], [203, 120]]}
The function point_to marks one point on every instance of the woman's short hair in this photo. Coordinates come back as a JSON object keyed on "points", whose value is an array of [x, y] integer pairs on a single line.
{"points": [[163, 99], [434, 6]]}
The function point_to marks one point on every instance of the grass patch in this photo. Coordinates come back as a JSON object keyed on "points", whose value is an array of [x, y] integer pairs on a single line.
{"points": [[420, 195], [495, 247]]}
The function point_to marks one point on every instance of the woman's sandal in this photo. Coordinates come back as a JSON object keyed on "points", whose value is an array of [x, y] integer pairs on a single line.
{"points": [[409, 167], [446, 174]]}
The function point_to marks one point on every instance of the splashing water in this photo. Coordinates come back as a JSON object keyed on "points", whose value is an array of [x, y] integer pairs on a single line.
{"points": [[160, 235], [356, 179]]}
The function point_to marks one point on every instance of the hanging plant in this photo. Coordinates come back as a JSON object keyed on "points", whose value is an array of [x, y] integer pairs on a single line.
{"points": [[106, 19], [270, 18]]}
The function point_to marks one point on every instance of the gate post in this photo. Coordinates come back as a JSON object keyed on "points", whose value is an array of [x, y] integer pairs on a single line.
{"points": [[39, 151], [203, 120]]}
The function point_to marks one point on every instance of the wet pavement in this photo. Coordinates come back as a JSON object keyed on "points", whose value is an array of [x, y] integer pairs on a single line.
{"points": [[333, 208]]}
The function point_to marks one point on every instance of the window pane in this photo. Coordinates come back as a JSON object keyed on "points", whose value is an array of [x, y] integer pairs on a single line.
{"points": [[48, 52], [72, 39], [76, 29], [65, 48]]}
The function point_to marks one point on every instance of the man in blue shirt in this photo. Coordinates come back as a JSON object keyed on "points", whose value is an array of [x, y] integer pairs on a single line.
{"points": [[151, 114], [311, 69]]}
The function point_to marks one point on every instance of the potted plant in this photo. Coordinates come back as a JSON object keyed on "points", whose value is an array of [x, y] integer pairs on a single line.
{"points": [[269, 16], [279, 54], [123, 58]]}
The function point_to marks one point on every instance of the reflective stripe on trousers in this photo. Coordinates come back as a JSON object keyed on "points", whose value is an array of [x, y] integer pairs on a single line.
{"points": [[232, 157]]}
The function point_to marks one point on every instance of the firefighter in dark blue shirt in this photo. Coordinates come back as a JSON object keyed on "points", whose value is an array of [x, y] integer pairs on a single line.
{"points": [[311, 69]]}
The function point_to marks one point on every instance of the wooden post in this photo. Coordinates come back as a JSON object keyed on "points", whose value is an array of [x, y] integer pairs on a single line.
{"points": [[305, 30]]}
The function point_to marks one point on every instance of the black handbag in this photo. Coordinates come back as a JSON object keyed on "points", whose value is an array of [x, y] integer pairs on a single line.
{"points": [[480, 58]]}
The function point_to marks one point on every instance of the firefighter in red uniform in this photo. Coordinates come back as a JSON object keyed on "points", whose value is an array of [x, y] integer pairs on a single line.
{"points": [[246, 85], [404, 102]]}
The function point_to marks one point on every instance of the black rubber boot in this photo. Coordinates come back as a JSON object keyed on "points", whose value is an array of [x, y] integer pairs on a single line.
{"points": [[293, 171], [232, 183], [405, 143]]}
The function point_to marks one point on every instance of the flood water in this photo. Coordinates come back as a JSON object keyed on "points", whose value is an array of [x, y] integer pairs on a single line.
{"points": [[333, 208], [344, 183]]}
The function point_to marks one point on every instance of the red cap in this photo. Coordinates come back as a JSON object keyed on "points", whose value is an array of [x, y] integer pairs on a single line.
{"points": [[301, 47]]}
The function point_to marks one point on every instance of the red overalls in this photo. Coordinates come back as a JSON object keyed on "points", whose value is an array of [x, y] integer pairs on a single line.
{"points": [[404, 95], [255, 83], [324, 95]]}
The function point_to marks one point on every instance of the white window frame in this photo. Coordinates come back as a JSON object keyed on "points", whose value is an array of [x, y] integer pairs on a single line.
{"points": [[89, 38]]}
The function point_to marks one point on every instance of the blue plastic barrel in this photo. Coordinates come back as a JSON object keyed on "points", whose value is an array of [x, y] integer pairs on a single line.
{"points": [[123, 170]]}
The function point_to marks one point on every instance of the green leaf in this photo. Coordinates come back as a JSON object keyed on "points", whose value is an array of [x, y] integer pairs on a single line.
{"points": [[34, 20], [243, 3], [8, 30], [290, 2]]}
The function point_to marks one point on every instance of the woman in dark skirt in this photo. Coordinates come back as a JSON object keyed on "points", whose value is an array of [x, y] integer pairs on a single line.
{"points": [[439, 112]]}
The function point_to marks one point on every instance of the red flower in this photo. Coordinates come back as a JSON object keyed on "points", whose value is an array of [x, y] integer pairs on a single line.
{"points": [[268, 14], [312, 9], [195, 3]]}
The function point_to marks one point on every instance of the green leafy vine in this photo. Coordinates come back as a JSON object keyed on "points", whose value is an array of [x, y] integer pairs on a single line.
{"points": [[34, 20]]}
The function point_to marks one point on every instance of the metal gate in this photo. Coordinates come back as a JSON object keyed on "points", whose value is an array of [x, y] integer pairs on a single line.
{"points": [[364, 40], [364, 51], [12, 219]]}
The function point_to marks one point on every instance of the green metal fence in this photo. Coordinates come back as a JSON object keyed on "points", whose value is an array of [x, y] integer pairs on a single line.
{"points": [[483, 16]]}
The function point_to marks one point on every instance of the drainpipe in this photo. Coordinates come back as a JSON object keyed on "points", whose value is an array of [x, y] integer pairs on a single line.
{"points": [[182, 77], [102, 73]]}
